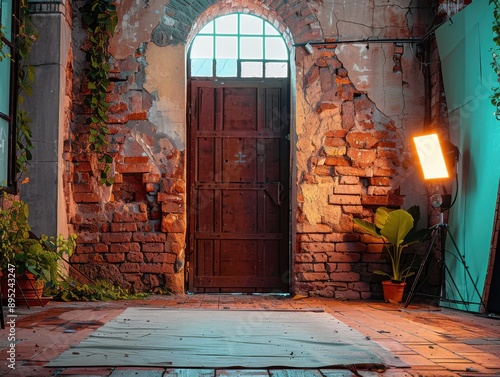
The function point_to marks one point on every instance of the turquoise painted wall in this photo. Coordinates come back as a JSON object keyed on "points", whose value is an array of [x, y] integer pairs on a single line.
{"points": [[464, 44]]}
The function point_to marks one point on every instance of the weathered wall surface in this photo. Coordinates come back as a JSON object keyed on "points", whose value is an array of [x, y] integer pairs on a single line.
{"points": [[356, 104]]}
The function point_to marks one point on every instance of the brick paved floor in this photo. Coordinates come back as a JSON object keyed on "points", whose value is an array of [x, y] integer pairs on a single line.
{"points": [[433, 341]]}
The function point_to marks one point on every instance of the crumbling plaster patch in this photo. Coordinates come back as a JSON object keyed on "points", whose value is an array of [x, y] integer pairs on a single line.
{"points": [[165, 77], [136, 20], [315, 206]]}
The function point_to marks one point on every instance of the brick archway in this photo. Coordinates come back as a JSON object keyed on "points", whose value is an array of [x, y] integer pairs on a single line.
{"points": [[179, 24]]}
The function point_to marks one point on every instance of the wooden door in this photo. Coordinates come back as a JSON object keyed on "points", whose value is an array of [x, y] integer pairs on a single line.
{"points": [[239, 182]]}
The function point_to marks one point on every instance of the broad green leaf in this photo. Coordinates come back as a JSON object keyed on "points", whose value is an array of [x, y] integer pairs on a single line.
{"points": [[397, 226], [368, 227], [381, 216]]}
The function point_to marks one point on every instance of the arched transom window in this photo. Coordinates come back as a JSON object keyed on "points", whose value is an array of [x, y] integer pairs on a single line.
{"points": [[239, 45]]}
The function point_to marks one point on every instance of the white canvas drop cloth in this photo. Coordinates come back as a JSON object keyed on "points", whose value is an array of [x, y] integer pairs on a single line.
{"points": [[182, 338]]}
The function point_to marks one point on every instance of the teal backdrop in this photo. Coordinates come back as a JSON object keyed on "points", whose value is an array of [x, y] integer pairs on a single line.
{"points": [[464, 45]]}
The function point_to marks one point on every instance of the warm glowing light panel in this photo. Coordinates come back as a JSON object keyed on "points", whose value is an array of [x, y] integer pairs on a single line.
{"points": [[431, 156]]}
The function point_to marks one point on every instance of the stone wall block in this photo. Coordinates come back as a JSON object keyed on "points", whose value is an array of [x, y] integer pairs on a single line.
{"points": [[335, 151], [150, 237], [320, 257], [351, 247], [86, 197], [389, 153], [313, 276], [84, 238], [156, 268], [316, 228], [319, 267], [160, 258], [344, 257], [312, 76], [172, 223], [347, 189], [379, 190], [344, 276], [129, 267], [334, 142], [130, 217], [101, 248], [353, 171], [375, 248], [135, 257], [123, 227], [340, 133], [79, 258], [349, 180], [173, 207], [83, 166], [337, 161], [117, 237], [384, 172], [133, 168], [346, 92], [150, 178], [84, 249], [386, 163], [390, 200], [303, 258], [380, 181], [341, 237], [310, 237], [353, 210], [82, 187], [326, 80], [119, 248], [361, 140], [344, 199], [315, 247], [156, 247], [303, 267], [324, 170], [325, 106], [348, 115], [115, 258]]}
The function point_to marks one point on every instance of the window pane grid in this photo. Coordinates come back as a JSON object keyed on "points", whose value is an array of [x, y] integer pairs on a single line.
{"points": [[239, 45]]}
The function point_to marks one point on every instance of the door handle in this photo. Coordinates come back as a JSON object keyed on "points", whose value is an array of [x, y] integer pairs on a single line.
{"points": [[275, 191]]}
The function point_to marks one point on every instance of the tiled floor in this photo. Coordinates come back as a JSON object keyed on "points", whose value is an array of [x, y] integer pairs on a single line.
{"points": [[433, 341]]}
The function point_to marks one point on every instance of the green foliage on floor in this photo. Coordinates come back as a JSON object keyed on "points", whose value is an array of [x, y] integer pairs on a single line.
{"points": [[101, 290]]}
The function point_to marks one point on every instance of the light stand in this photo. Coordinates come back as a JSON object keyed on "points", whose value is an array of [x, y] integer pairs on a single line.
{"points": [[436, 163], [441, 231]]}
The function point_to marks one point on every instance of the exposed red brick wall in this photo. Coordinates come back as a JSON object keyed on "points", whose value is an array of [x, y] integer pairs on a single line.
{"points": [[132, 232], [360, 156]]}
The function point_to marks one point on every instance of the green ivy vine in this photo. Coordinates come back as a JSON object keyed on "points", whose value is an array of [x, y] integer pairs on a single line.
{"points": [[25, 39], [100, 18], [495, 97]]}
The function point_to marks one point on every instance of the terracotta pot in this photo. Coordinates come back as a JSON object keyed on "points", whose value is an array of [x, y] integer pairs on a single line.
{"points": [[30, 287], [393, 292]]}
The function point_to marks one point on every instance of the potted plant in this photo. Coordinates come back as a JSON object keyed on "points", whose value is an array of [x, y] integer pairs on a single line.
{"points": [[35, 260], [397, 228]]}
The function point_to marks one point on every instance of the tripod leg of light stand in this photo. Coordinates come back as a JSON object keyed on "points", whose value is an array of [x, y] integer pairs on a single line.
{"points": [[442, 252], [443, 298], [462, 259], [421, 268]]}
